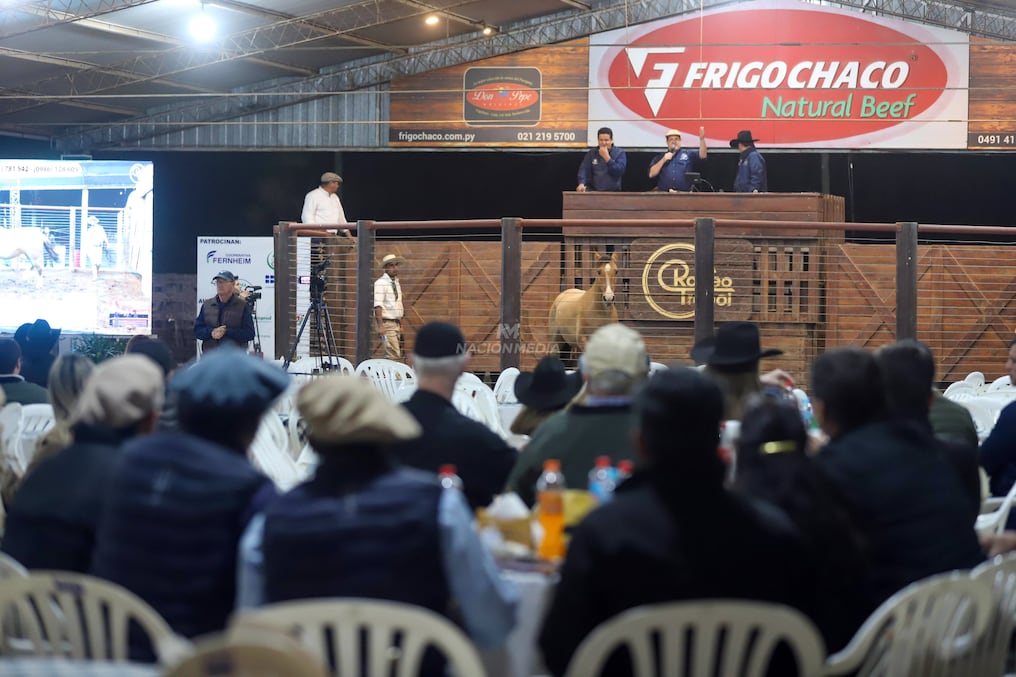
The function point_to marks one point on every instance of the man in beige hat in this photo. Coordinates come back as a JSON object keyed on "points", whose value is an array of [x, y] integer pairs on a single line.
{"points": [[388, 308], [599, 423], [54, 518], [322, 205], [673, 165], [365, 526]]}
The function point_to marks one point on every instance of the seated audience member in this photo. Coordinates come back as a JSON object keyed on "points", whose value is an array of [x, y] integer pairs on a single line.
{"points": [[613, 367], [52, 522], [951, 421], [908, 373], [37, 355], [773, 465], [543, 391], [14, 385], [160, 353], [998, 451], [365, 526], [732, 359], [67, 378], [179, 501], [482, 458], [907, 501], [672, 531]]}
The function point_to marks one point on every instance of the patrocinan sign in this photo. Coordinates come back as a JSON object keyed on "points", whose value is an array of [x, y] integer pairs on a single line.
{"points": [[796, 75]]}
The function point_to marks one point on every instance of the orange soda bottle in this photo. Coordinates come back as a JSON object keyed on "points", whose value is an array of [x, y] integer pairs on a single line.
{"points": [[550, 497]]}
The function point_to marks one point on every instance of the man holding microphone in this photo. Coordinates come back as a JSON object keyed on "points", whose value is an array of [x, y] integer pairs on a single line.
{"points": [[672, 165]]}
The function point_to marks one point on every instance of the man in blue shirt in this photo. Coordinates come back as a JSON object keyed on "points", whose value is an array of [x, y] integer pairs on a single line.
{"points": [[603, 166], [673, 165], [751, 167]]}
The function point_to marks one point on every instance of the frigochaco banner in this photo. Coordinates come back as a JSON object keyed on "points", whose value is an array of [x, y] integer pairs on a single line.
{"points": [[796, 75]]}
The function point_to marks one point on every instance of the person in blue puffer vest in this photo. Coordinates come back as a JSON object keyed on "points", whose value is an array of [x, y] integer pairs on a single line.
{"points": [[179, 501], [365, 526]]}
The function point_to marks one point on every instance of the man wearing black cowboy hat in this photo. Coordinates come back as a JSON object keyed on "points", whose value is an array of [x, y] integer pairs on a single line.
{"points": [[751, 167]]}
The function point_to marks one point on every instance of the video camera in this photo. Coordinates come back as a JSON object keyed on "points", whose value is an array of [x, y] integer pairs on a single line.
{"points": [[319, 268], [253, 293]]}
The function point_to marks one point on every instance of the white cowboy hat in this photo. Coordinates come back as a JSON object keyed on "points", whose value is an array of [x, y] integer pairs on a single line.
{"points": [[391, 258]]}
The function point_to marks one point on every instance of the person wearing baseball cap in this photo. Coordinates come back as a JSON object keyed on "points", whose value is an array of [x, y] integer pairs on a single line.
{"points": [[322, 205], [599, 421], [673, 165], [225, 317], [751, 166]]}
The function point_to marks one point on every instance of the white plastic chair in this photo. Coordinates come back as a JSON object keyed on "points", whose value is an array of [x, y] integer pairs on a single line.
{"points": [[36, 420], [656, 366], [10, 433], [69, 615], [388, 376], [269, 452], [701, 636], [1000, 383], [994, 522], [921, 630], [10, 567], [396, 635], [307, 368], [992, 651], [960, 391], [504, 388], [976, 381], [470, 388], [983, 414]]}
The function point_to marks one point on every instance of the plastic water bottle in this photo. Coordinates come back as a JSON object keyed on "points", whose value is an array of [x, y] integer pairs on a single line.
{"points": [[601, 480], [623, 471], [807, 413], [550, 498], [448, 477]]}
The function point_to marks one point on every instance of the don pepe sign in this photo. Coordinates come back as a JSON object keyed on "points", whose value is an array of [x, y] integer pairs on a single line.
{"points": [[667, 280]]}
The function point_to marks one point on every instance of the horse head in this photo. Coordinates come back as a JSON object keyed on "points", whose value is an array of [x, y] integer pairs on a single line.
{"points": [[606, 273]]}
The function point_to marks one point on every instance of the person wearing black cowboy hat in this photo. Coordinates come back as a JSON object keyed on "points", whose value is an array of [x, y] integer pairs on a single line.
{"points": [[751, 166], [732, 357], [542, 392], [38, 355]]}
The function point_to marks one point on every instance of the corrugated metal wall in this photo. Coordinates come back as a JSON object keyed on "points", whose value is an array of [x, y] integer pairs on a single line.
{"points": [[351, 120]]}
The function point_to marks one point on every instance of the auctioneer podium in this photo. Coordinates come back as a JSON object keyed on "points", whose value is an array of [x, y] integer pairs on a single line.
{"points": [[772, 276]]}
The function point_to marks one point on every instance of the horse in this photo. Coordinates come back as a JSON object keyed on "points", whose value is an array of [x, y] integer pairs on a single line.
{"points": [[575, 314], [30, 242]]}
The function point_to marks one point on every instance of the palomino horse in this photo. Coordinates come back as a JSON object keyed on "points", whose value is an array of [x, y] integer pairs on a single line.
{"points": [[575, 314], [30, 242]]}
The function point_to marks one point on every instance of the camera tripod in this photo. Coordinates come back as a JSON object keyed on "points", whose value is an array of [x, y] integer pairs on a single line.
{"points": [[257, 330], [324, 335]]}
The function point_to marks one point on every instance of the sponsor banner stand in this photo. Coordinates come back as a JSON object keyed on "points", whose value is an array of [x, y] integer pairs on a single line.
{"points": [[252, 260]]}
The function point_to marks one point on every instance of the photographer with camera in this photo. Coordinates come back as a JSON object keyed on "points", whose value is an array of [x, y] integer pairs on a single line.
{"points": [[224, 318]]}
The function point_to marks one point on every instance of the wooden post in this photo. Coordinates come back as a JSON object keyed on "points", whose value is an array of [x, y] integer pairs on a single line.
{"points": [[705, 243], [366, 238], [511, 293], [285, 288], [906, 281]]}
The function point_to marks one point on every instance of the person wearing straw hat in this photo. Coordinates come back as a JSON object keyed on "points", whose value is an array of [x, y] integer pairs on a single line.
{"points": [[388, 308], [366, 526], [322, 205], [751, 166], [672, 166]]}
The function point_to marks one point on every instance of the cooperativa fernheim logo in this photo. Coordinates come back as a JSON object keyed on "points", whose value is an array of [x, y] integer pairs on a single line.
{"points": [[843, 75]]}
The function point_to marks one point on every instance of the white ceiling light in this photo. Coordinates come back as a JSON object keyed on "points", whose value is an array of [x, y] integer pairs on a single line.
{"points": [[432, 20], [203, 27]]}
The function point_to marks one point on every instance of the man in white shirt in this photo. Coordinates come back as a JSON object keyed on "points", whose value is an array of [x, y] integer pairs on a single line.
{"points": [[388, 310], [322, 206]]}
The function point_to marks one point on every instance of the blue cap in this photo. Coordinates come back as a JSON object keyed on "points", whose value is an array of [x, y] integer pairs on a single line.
{"points": [[230, 379]]}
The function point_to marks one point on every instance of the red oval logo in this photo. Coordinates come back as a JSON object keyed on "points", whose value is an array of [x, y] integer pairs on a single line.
{"points": [[805, 75], [502, 96]]}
